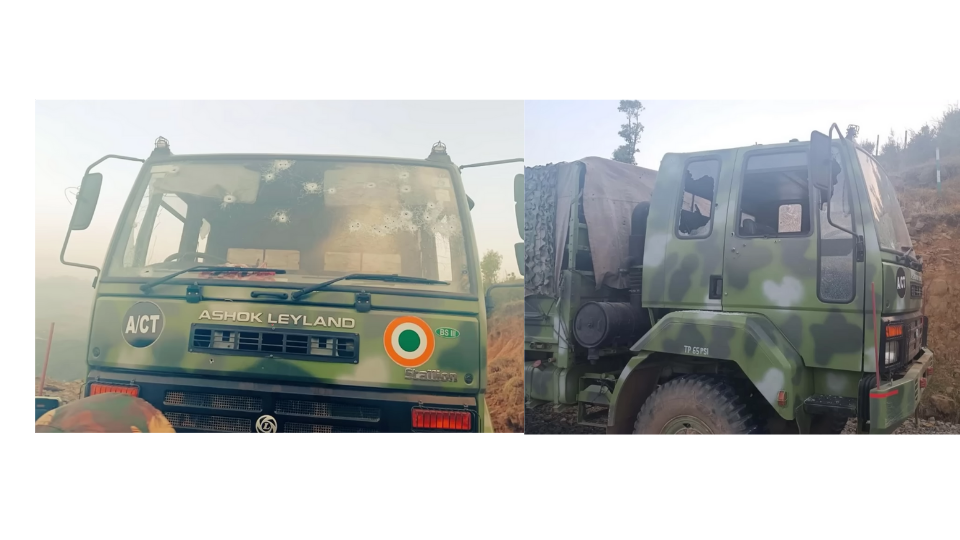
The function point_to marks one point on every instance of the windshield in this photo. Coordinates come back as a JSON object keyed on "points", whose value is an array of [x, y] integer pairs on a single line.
{"points": [[316, 219], [891, 229]]}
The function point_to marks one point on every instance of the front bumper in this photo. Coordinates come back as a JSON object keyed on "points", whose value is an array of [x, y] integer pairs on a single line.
{"points": [[895, 402], [204, 404]]}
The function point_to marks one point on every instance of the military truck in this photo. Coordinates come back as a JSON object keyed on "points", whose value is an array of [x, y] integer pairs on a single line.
{"points": [[764, 289], [291, 293]]}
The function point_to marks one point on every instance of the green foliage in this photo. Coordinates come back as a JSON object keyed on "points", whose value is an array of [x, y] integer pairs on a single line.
{"points": [[920, 147], [630, 132], [890, 153], [948, 132], [913, 159], [490, 267], [869, 146]]}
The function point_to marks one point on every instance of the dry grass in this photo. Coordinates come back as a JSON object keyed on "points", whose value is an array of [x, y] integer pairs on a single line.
{"points": [[505, 368]]}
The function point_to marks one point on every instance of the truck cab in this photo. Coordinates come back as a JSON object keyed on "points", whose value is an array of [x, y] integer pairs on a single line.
{"points": [[780, 279], [292, 293]]}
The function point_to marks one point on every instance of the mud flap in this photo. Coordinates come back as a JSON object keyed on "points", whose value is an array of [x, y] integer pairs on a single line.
{"points": [[487, 426]]}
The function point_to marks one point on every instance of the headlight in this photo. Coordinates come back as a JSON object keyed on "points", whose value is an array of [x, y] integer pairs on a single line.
{"points": [[892, 353]]}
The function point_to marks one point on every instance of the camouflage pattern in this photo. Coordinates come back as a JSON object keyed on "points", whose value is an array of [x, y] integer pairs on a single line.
{"points": [[749, 340], [676, 272], [170, 352], [775, 319], [460, 360], [105, 413]]}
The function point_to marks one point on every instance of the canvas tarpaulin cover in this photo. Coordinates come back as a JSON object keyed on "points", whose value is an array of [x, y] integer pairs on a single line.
{"points": [[610, 190]]}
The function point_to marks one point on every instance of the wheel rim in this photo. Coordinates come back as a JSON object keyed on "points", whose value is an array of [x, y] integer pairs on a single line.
{"points": [[685, 425]]}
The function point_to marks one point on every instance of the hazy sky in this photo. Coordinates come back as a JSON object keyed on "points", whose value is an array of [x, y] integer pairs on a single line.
{"points": [[557, 131], [72, 134]]}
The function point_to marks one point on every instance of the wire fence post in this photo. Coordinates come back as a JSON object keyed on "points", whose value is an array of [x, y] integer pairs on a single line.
{"points": [[938, 170], [46, 359]]}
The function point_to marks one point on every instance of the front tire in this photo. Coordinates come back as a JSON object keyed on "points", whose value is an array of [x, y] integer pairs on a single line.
{"points": [[697, 404]]}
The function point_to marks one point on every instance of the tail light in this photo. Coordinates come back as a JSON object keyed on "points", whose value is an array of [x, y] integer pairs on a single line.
{"points": [[100, 388], [441, 420]]}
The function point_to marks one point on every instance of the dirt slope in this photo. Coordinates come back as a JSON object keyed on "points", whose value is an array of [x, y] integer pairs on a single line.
{"points": [[934, 222]]}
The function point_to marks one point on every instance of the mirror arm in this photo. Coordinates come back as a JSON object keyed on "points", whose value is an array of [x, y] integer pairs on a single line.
{"points": [[63, 251], [515, 160], [66, 239], [111, 156]]}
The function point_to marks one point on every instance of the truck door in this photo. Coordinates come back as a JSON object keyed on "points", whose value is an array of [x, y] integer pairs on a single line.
{"points": [[783, 258], [683, 253]]}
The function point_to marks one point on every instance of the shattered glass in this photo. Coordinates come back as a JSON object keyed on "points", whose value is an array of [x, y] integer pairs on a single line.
{"points": [[314, 218]]}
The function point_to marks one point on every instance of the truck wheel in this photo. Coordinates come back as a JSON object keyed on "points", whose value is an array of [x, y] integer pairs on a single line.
{"points": [[696, 405]]}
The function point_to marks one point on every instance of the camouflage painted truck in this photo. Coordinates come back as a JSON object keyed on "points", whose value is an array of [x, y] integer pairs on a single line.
{"points": [[291, 293], [765, 289]]}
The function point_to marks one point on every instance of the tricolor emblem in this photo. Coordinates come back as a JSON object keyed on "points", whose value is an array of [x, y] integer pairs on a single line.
{"points": [[408, 341]]}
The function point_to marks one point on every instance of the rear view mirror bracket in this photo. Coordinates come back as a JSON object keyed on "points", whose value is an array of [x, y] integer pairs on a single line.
{"points": [[86, 205], [822, 170]]}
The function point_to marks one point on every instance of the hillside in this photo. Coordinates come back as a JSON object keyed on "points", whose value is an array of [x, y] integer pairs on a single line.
{"points": [[66, 302], [934, 222]]}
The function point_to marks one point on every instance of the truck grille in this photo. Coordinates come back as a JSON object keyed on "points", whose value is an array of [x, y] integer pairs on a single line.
{"points": [[239, 340], [316, 409], [294, 427], [214, 401], [204, 404], [914, 337], [204, 422], [916, 290]]}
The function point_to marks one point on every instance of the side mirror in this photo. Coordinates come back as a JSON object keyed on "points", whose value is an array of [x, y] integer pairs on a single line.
{"points": [[820, 162], [469, 202], [518, 247], [488, 301], [87, 199], [518, 201]]}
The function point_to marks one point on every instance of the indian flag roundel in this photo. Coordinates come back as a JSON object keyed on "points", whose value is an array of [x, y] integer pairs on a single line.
{"points": [[408, 341]]}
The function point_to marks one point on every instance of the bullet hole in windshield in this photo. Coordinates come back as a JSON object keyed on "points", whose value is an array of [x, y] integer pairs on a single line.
{"points": [[280, 216], [228, 199], [405, 189], [311, 188]]}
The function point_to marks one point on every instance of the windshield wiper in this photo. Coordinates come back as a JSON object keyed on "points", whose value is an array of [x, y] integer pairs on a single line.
{"points": [[379, 277], [146, 287]]}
